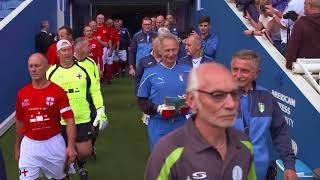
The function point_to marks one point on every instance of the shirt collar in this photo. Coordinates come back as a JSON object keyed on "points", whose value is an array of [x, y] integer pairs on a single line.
{"points": [[199, 144]]}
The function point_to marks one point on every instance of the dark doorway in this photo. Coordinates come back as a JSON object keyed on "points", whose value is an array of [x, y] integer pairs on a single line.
{"points": [[131, 14]]}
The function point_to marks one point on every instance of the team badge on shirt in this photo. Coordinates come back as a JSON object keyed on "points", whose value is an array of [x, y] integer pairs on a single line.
{"points": [[25, 103], [79, 76], [237, 173], [50, 101], [261, 107], [183, 77]]}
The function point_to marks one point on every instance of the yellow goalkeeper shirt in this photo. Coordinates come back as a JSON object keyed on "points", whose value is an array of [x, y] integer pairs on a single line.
{"points": [[79, 86]]}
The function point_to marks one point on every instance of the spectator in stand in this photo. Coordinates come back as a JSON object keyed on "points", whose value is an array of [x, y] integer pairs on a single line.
{"points": [[305, 38], [280, 5], [209, 41], [140, 45], [172, 27], [43, 39], [65, 32], [96, 48], [248, 6], [285, 20], [193, 49], [265, 26], [159, 22]]}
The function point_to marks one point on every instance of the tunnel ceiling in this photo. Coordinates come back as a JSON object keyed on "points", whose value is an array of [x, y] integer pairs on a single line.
{"points": [[127, 2]]}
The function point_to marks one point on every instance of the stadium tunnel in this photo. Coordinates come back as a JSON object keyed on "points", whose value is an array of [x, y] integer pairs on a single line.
{"points": [[131, 11]]}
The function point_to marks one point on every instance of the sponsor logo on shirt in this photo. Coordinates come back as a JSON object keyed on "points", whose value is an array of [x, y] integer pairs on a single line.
{"points": [[25, 103], [261, 107], [198, 175], [39, 118], [50, 101], [161, 80], [237, 173]]}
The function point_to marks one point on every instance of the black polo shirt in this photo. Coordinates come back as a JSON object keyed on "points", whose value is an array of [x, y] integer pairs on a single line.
{"points": [[185, 155]]}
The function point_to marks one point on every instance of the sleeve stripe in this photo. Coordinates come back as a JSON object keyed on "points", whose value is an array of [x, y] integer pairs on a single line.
{"points": [[169, 162], [63, 110], [146, 79]]}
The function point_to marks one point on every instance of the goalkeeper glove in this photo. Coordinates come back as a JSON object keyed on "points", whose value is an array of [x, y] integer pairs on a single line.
{"points": [[166, 111], [101, 119]]}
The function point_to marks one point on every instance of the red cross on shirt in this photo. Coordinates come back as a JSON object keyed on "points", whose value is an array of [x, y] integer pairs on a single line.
{"points": [[79, 76], [24, 172]]}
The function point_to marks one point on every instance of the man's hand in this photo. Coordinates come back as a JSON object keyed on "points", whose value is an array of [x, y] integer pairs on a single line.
{"points": [[247, 15], [270, 10], [101, 74], [110, 52], [166, 111], [132, 71], [290, 174], [71, 155], [17, 153], [248, 32], [101, 119]]}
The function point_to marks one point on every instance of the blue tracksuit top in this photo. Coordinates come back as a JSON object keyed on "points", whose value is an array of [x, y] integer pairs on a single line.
{"points": [[262, 115], [209, 46], [145, 62], [187, 60], [157, 83], [140, 47]]}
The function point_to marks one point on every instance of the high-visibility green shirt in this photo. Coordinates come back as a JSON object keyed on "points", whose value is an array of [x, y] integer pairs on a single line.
{"points": [[91, 67], [79, 86]]}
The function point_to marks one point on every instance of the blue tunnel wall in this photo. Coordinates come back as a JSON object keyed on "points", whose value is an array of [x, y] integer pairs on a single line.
{"points": [[302, 117], [17, 43]]}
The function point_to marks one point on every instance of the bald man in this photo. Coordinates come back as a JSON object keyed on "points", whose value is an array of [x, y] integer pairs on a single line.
{"points": [[194, 52], [39, 109], [206, 146], [159, 21], [305, 37], [149, 61]]}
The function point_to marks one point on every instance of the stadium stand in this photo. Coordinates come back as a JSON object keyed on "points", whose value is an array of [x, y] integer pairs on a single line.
{"points": [[7, 6]]}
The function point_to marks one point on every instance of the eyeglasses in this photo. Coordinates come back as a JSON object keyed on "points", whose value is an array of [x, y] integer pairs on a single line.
{"points": [[221, 95]]}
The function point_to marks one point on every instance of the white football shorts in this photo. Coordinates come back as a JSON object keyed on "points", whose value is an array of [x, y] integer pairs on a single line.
{"points": [[47, 156]]}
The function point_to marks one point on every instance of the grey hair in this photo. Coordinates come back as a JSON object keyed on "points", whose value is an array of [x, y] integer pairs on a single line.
{"points": [[167, 36], [78, 42], [248, 55], [162, 31]]}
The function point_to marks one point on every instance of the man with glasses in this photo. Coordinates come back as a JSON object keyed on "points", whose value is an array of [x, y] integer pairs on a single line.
{"points": [[140, 45], [206, 147], [259, 115]]}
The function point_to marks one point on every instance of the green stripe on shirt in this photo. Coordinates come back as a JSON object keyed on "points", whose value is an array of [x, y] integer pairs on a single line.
{"points": [[170, 160]]}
